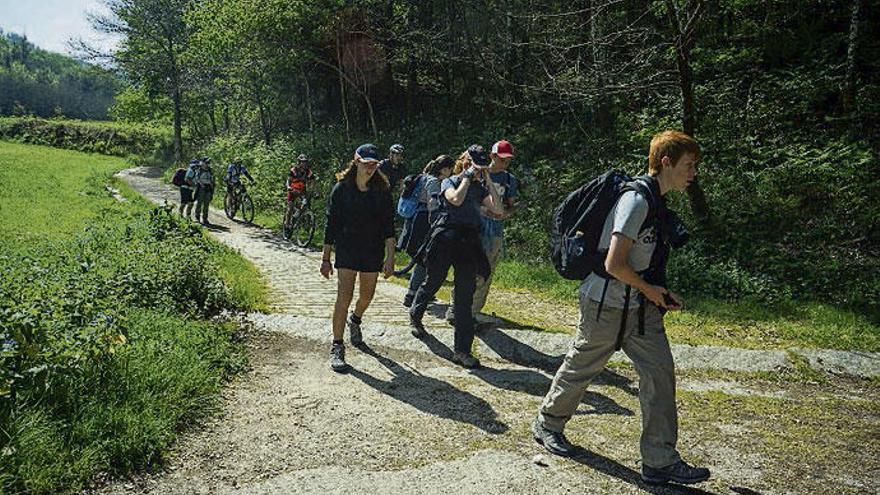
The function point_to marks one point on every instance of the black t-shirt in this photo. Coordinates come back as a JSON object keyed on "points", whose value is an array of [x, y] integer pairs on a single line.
{"points": [[394, 174], [359, 219]]}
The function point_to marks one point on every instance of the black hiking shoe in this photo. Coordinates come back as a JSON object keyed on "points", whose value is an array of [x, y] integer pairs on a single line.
{"points": [[680, 472], [465, 360], [418, 328], [354, 332], [408, 300], [337, 358], [554, 442]]}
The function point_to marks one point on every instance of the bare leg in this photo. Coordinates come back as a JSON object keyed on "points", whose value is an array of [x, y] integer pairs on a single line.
{"points": [[366, 290], [344, 294]]}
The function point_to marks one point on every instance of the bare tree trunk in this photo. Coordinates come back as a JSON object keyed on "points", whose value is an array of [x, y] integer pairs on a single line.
{"points": [[308, 103], [685, 39], [849, 88], [602, 107], [342, 87]]}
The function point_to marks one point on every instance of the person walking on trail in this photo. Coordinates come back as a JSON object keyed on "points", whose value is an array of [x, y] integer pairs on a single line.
{"points": [[416, 228], [492, 231], [297, 180], [204, 181], [233, 175], [454, 241], [187, 189], [360, 226], [392, 167], [625, 308]]}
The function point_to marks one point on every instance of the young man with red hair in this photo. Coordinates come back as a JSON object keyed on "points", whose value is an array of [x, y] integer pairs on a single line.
{"points": [[624, 307]]}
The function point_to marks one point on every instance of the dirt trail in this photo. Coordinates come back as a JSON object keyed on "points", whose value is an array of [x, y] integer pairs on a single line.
{"points": [[406, 420]]}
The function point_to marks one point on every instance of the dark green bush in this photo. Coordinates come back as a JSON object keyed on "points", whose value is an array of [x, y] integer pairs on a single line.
{"points": [[141, 143]]}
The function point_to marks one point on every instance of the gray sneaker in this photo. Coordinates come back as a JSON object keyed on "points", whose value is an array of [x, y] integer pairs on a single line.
{"points": [[337, 358], [554, 442], [465, 360], [680, 472], [354, 332]]}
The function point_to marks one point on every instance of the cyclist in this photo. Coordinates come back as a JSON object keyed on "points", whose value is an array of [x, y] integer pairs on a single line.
{"points": [[300, 174], [392, 167], [233, 176]]}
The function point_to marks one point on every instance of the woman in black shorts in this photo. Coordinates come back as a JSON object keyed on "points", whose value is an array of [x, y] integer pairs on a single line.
{"points": [[360, 225]]}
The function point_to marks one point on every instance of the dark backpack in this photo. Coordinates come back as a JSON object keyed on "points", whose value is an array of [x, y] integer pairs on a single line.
{"points": [[578, 222], [179, 177]]}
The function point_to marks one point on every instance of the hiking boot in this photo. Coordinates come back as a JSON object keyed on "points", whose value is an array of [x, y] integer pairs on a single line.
{"points": [[337, 358], [554, 442], [679, 472], [418, 328], [354, 331], [465, 360], [408, 300]]}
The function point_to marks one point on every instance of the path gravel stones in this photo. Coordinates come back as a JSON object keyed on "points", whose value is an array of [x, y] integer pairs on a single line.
{"points": [[405, 420]]}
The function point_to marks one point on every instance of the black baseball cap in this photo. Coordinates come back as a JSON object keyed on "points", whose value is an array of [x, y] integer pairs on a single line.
{"points": [[478, 155], [367, 152]]}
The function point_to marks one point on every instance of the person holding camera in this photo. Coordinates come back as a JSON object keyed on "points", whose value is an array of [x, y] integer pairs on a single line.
{"points": [[624, 308], [455, 241]]}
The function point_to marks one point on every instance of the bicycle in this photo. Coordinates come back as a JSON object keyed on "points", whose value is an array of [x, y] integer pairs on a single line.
{"points": [[239, 199], [299, 220]]}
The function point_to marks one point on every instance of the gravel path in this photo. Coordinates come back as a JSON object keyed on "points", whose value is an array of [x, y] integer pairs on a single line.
{"points": [[406, 420]]}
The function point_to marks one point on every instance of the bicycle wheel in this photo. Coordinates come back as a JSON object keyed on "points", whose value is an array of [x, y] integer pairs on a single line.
{"points": [[247, 208], [305, 229], [229, 205]]}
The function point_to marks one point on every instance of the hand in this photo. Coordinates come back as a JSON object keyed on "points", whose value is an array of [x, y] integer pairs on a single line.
{"points": [[326, 269], [655, 293], [388, 269]]}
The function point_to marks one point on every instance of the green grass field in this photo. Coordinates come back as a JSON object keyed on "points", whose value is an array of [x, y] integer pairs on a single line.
{"points": [[120, 405]]}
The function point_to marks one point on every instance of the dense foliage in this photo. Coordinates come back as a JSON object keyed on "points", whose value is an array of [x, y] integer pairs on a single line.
{"points": [[140, 142], [783, 96], [37, 82]]}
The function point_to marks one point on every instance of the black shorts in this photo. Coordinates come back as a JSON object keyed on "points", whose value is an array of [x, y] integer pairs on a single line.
{"points": [[186, 195], [359, 258]]}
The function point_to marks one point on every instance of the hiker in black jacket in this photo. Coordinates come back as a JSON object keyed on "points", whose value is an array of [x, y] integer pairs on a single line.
{"points": [[360, 225], [626, 306], [454, 241]]}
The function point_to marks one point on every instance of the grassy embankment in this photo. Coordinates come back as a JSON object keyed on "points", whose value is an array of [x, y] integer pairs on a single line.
{"points": [[108, 348]]}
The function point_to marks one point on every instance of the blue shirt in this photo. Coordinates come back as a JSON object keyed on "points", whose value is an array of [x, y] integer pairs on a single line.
{"points": [[508, 188], [234, 172], [468, 212]]}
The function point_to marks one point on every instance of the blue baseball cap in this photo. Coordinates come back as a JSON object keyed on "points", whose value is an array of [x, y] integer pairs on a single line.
{"points": [[367, 152], [478, 155]]}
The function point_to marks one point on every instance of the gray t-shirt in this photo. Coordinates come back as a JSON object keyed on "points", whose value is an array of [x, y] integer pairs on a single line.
{"points": [[468, 213], [625, 218]]}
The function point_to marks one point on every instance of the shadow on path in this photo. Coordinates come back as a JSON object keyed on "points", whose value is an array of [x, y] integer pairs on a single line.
{"points": [[430, 395], [517, 352], [534, 383], [613, 468]]}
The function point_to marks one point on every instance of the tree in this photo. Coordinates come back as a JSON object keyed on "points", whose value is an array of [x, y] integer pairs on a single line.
{"points": [[154, 36]]}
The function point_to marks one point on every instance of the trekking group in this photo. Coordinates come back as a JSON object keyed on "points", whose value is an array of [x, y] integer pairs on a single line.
{"points": [[613, 234]]}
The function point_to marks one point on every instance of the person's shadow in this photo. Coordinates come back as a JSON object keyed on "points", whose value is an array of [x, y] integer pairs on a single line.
{"points": [[430, 395], [534, 383], [516, 352], [613, 468]]}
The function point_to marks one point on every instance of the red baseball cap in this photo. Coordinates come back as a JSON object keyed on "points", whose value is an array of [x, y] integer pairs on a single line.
{"points": [[503, 149]]}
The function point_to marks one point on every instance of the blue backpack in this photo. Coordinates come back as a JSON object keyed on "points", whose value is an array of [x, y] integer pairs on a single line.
{"points": [[408, 204]]}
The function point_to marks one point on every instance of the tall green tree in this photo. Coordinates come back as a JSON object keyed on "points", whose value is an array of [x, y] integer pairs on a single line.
{"points": [[154, 35]]}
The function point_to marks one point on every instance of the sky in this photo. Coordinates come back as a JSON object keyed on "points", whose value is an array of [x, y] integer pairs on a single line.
{"points": [[50, 23]]}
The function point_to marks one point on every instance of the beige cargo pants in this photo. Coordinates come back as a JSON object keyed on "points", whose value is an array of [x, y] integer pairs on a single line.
{"points": [[650, 353]]}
